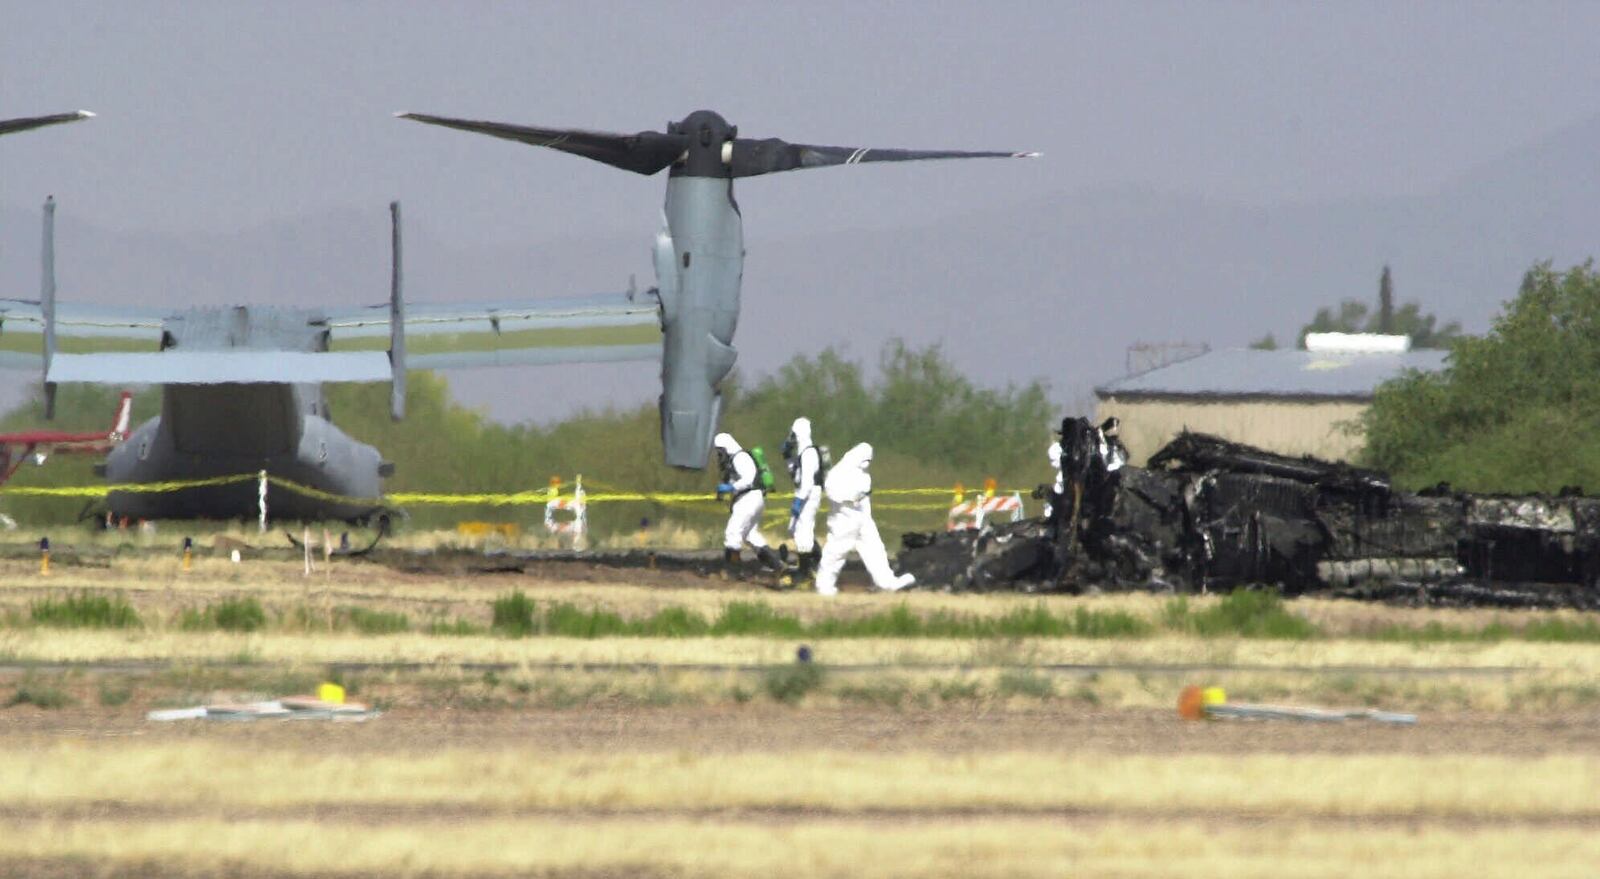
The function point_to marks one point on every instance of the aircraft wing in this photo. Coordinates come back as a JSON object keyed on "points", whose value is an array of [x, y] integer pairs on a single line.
{"points": [[611, 327]]}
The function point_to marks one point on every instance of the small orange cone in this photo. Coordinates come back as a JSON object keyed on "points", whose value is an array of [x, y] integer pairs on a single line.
{"points": [[1191, 703]]}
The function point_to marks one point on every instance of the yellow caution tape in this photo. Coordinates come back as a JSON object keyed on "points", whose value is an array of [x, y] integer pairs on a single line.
{"points": [[520, 498], [130, 487]]}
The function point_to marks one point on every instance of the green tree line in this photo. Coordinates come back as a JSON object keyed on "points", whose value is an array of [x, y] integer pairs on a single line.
{"points": [[1515, 410]]}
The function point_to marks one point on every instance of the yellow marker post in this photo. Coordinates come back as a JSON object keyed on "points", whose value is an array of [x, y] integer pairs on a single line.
{"points": [[44, 556], [188, 554]]}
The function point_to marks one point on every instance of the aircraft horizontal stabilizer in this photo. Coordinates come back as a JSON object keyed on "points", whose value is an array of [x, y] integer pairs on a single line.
{"points": [[220, 367]]}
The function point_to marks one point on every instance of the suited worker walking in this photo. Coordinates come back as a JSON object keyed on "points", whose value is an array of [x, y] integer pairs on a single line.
{"points": [[850, 526], [746, 483]]}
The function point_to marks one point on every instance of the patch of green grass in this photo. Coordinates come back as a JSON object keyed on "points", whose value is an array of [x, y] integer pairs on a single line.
{"points": [[956, 690], [513, 615], [883, 693], [1553, 629], [85, 611], [1585, 631], [39, 694], [115, 693], [790, 683], [372, 622], [229, 615], [1435, 632], [675, 622], [755, 618], [1023, 682], [517, 616], [1243, 613], [457, 627], [569, 621]]}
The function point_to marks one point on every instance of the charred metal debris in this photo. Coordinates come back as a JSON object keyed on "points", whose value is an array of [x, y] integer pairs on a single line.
{"points": [[1207, 514]]}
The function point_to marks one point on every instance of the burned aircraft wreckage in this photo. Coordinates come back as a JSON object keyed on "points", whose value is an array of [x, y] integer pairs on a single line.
{"points": [[1207, 514]]}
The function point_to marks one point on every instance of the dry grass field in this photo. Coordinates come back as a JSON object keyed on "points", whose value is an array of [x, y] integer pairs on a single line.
{"points": [[657, 752]]}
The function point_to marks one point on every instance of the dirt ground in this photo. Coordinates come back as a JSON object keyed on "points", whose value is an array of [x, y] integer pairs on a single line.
{"points": [[427, 711], [772, 728]]}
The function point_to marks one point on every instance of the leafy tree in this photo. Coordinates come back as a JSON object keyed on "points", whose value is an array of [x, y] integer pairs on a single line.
{"points": [[1354, 316], [1265, 343], [1515, 410]]}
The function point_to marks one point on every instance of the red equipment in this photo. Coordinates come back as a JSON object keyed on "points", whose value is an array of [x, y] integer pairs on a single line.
{"points": [[15, 448]]}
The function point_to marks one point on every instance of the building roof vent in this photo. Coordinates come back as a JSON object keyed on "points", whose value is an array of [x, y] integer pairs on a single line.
{"points": [[1357, 343]]}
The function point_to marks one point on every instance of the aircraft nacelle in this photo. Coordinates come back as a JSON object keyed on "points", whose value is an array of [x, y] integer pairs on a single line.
{"points": [[699, 259]]}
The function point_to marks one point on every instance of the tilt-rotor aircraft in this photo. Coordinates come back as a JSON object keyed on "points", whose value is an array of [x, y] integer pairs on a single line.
{"points": [[12, 126], [699, 252], [242, 384]]}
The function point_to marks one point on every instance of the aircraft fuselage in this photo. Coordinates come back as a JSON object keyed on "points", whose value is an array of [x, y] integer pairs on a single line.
{"points": [[220, 429], [207, 431]]}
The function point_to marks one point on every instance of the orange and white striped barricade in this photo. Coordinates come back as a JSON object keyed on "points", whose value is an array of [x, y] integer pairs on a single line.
{"points": [[971, 514], [567, 516]]}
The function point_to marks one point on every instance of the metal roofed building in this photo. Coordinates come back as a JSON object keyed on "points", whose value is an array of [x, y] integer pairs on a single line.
{"points": [[1289, 401]]}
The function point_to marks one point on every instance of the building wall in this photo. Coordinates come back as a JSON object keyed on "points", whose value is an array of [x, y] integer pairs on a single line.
{"points": [[1289, 427]]}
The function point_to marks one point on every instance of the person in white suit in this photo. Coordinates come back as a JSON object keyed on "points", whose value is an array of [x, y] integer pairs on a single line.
{"points": [[740, 481], [805, 468], [850, 526]]}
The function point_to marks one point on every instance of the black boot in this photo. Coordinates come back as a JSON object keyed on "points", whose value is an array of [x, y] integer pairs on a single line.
{"points": [[808, 564], [769, 560], [731, 564]]}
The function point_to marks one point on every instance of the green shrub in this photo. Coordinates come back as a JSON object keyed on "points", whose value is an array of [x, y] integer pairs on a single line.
{"points": [[85, 611], [790, 683], [513, 615]]}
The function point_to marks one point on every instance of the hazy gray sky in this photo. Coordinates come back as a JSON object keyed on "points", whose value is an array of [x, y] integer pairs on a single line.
{"points": [[223, 118], [222, 115]]}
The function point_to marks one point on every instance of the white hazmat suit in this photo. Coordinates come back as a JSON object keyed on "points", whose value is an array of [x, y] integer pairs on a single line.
{"points": [[1054, 454], [749, 501], [807, 486], [850, 526]]}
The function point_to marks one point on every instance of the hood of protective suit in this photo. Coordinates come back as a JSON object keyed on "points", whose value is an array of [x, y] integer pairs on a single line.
{"points": [[727, 443], [848, 482], [801, 431]]}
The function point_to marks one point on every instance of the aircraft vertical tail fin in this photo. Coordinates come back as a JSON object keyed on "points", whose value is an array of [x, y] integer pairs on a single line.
{"points": [[47, 301], [397, 321]]}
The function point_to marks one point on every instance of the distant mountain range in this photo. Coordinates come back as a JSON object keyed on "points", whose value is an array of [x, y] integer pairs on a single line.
{"points": [[1056, 287]]}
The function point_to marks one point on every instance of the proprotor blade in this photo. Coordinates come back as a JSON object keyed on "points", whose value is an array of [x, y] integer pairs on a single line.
{"points": [[644, 153], [755, 157], [12, 126]]}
